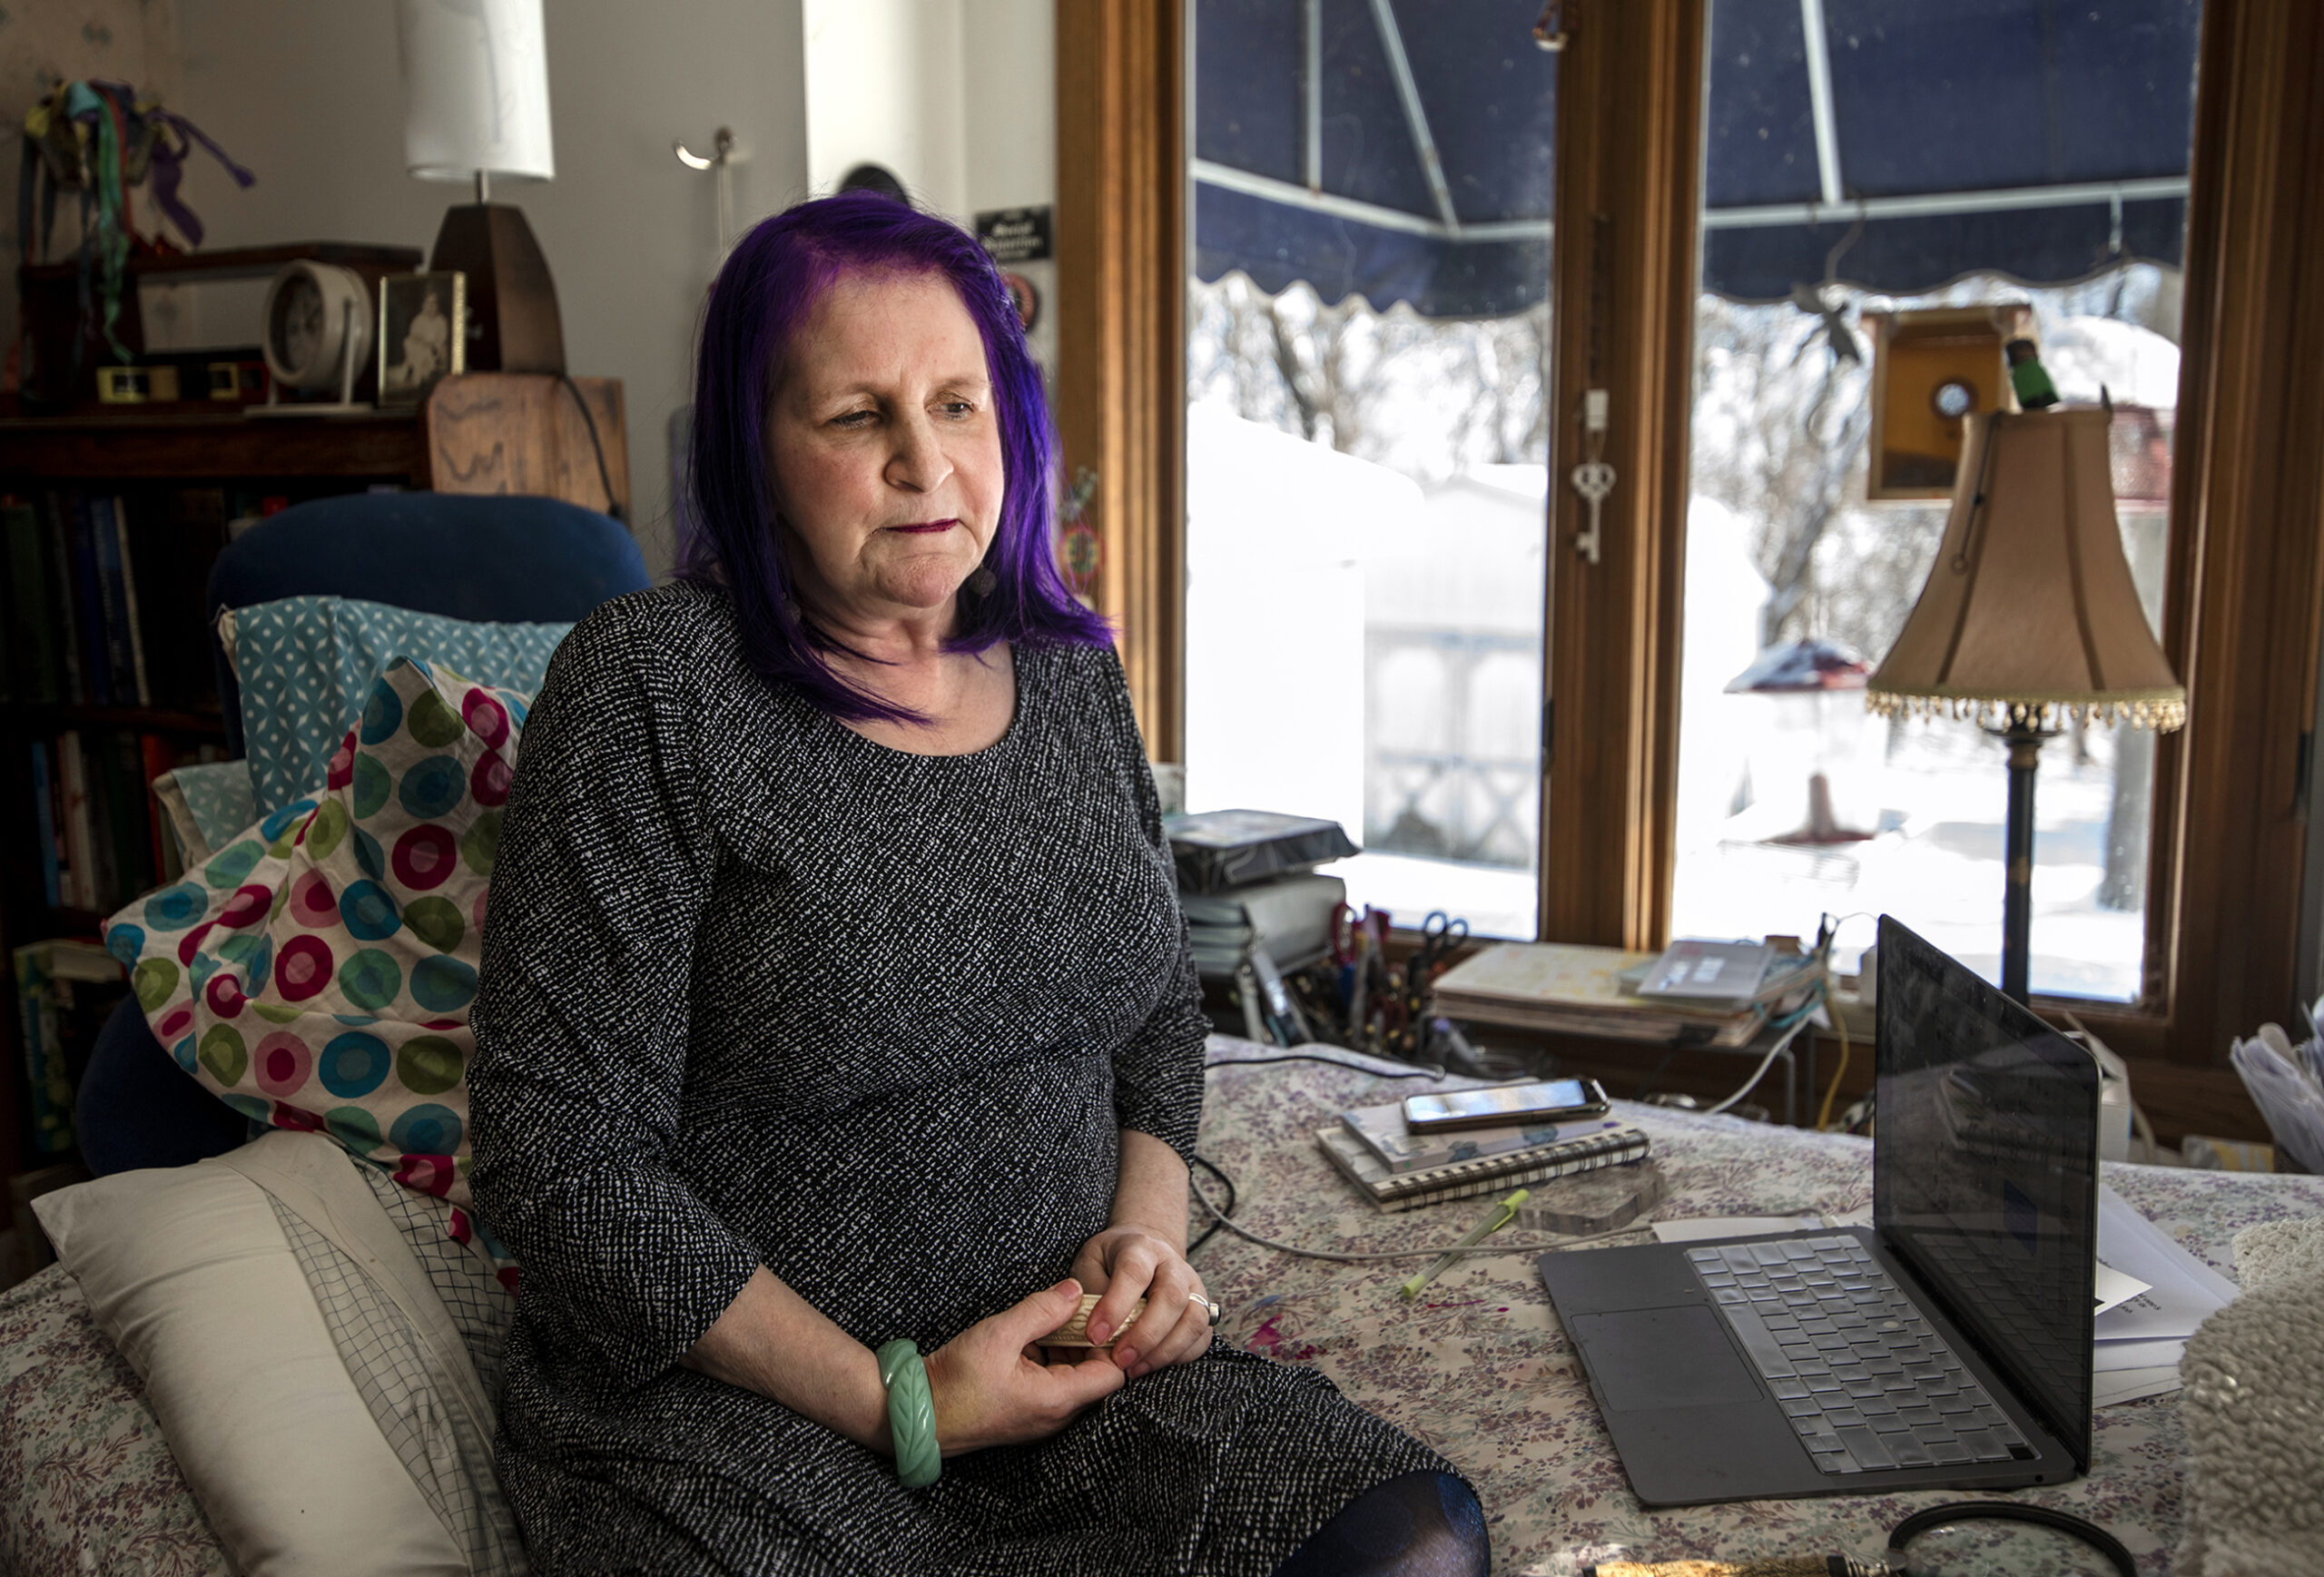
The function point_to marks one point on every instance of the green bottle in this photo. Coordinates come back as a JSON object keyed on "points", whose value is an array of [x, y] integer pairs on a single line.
{"points": [[2028, 378]]}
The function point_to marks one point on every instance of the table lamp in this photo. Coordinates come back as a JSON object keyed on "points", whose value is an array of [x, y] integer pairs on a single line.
{"points": [[2030, 617], [475, 106]]}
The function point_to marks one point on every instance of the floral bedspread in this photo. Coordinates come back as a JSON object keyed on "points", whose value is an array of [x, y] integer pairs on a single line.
{"points": [[1480, 1369], [86, 1481]]}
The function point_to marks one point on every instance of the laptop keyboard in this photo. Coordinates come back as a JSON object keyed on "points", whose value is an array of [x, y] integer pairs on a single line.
{"points": [[1865, 1381]]}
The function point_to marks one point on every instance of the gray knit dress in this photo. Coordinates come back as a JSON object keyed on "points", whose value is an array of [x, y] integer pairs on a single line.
{"points": [[758, 990]]}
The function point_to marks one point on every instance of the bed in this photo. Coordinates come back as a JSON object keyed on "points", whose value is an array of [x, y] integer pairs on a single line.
{"points": [[1478, 1368]]}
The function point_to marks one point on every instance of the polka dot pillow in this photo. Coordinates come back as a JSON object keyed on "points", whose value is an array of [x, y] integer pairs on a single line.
{"points": [[317, 972]]}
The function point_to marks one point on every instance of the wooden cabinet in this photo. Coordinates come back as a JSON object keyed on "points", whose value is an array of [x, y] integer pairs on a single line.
{"points": [[178, 476]]}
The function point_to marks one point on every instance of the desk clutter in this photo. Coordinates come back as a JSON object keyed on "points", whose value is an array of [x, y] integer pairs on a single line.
{"points": [[1694, 993], [1481, 1363], [1274, 939]]}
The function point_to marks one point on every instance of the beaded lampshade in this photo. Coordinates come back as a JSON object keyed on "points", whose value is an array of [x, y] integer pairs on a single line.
{"points": [[2029, 615]]}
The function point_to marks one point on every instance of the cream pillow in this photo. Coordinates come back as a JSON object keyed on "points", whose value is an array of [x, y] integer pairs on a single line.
{"points": [[188, 1272]]}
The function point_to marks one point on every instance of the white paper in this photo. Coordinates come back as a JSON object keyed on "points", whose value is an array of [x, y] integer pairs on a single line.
{"points": [[2114, 1357], [2111, 1287], [1695, 1228], [2181, 1290], [2130, 1384]]}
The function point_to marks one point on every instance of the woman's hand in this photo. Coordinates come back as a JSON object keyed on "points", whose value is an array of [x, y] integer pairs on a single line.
{"points": [[1129, 1262], [988, 1392]]}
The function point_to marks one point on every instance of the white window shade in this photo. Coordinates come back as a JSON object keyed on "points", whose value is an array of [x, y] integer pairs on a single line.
{"points": [[474, 89]]}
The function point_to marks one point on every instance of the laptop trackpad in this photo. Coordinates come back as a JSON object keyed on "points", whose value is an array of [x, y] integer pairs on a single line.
{"points": [[1664, 1357]]}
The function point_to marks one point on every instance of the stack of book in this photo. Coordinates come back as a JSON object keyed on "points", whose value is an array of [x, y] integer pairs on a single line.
{"points": [[102, 596], [1288, 918], [102, 839], [1595, 991], [1398, 1170], [64, 992]]}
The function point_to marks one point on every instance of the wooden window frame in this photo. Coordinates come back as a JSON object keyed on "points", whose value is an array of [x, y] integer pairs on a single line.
{"points": [[1121, 376], [2246, 576]]}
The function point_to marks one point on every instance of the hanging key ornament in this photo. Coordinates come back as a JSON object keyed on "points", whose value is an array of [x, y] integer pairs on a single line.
{"points": [[1593, 479]]}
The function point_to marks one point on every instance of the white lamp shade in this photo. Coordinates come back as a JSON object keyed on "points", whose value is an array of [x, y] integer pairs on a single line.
{"points": [[474, 89]]}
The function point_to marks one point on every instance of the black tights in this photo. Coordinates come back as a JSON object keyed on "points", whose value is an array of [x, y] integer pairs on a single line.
{"points": [[1422, 1525]]}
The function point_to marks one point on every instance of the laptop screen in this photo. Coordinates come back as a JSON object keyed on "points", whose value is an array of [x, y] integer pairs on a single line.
{"points": [[1985, 1172]]}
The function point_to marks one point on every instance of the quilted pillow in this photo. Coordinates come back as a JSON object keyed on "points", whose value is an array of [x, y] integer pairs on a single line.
{"points": [[317, 973], [306, 663], [208, 806]]}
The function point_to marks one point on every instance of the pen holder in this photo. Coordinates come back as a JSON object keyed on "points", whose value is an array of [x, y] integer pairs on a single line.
{"points": [[1075, 1332]]}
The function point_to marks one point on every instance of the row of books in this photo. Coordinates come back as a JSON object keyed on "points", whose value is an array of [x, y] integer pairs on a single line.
{"points": [[1602, 990], [1397, 1169], [65, 991], [103, 595], [102, 839]]}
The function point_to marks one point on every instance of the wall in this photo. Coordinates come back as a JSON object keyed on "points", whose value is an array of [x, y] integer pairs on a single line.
{"points": [[309, 95], [957, 97], [132, 41]]}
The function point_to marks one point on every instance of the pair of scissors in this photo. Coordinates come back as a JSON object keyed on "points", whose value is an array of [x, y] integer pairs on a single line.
{"points": [[1439, 935]]}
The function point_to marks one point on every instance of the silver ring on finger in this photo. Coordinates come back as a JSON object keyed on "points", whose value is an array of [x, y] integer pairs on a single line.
{"points": [[1214, 1308]]}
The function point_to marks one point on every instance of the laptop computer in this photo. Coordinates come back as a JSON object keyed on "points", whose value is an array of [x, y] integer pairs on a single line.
{"points": [[1948, 1347]]}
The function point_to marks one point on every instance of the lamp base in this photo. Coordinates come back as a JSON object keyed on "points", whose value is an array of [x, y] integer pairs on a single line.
{"points": [[513, 321], [2024, 742]]}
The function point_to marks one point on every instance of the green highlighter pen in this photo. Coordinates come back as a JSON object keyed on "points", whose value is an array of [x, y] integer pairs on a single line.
{"points": [[1502, 1215]]}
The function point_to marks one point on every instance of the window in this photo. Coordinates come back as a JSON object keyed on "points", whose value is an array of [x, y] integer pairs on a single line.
{"points": [[2034, 170], [2242, 557], [1368, 442]]}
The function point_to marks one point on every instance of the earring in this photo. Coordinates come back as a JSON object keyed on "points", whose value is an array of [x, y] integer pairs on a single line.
{"points": [[982, 582]]}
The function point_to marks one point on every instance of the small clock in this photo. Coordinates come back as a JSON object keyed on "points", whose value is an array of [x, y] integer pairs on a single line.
{"points": [[318, 327]]}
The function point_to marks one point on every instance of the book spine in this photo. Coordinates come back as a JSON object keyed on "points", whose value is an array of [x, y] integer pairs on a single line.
{"points": [[56, 531], [128, 819], [52, 873], [1492, 1168], [88, 602], [130, 621], [73, 771], [32, 670], [113, 602], [1633, 1147], [156, 757], [47, 1129]]}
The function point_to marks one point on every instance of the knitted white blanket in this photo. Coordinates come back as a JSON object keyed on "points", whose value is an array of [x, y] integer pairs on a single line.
{"points": [[2254, 1411]]}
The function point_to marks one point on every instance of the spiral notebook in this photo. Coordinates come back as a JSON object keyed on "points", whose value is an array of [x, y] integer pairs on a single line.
{"points": [[1462, 1179]]}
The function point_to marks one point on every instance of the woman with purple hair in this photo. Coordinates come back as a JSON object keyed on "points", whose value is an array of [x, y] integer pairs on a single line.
{"points": [[837, 1028]]}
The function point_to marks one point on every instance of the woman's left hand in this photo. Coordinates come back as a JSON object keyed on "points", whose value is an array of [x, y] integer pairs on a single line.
{"points": [[1127, 1263]]}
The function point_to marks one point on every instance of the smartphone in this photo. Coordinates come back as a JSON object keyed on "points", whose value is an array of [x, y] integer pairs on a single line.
{"points": [[1505, 1105]]}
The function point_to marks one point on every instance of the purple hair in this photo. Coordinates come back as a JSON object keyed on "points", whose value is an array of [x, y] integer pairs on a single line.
{"points": [[769, 284]]}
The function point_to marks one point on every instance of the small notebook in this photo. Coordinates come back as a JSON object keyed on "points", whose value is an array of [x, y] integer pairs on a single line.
{"points": [[1463, 1180], [1383, 1130]]}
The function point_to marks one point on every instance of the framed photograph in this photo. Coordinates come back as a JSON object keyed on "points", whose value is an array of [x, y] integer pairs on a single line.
{"points": [[423, 333]]}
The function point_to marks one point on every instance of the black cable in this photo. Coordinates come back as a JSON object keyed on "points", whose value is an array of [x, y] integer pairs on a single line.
{"points": [[1332, 1061], [2090, 1534], [604, 478], [1208, 1166]]}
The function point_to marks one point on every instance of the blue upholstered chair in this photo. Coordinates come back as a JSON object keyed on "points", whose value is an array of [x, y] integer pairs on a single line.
{"points": [[484, 558]]}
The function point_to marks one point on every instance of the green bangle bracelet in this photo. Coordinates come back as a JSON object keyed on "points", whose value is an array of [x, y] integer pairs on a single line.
{"points": [[911, 1413]]}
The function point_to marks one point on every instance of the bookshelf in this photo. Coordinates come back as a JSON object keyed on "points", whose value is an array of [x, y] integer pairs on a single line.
{"points": [[162, 483]]}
